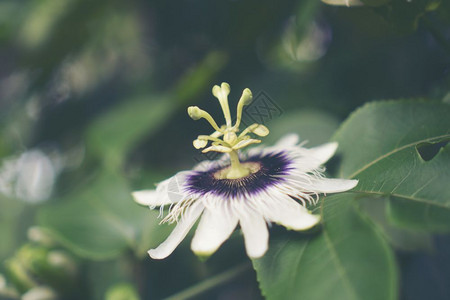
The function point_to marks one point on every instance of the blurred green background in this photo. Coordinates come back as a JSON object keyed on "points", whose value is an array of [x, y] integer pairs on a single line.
{"points": [[93, 98]]}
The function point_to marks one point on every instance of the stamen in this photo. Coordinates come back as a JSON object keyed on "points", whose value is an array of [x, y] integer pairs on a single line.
{"points": [[212, 138], [257, 129], [217, 134], [245, 143], [217, 148]]}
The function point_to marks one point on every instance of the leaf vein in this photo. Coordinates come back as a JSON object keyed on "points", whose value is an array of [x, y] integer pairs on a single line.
{"points": [[395, 151], [338, 265]]}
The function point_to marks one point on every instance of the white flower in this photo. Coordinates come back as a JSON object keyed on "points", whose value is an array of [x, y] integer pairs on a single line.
{"points": [[266, 184]]}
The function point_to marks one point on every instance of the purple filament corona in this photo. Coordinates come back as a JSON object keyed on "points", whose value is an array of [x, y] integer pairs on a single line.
{"points": [[273, 167]]}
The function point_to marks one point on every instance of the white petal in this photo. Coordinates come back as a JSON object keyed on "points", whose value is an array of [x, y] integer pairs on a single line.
{"points": [[288, 140], [156, 197], [323, 152], [292, 215], [173, 187], [179, 233], [256, 234], [167, 191], [308, 160], [150, 198], [327, 185], [214, 228]]}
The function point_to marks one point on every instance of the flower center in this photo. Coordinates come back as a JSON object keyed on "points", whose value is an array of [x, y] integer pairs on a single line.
{"points": [[225, 139], [252, 167], [266, 170]]}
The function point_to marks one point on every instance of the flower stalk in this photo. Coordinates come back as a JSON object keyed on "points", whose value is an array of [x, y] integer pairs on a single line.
{"points": [[236, 169]]}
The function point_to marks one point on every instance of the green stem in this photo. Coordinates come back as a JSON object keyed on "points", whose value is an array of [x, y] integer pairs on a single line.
{"points": [[435, 32], [236, 169], [213, 282], [234, 158]]}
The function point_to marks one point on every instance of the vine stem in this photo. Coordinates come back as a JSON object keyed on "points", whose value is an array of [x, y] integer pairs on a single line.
{"points": [[437, 35], [213, 282]]}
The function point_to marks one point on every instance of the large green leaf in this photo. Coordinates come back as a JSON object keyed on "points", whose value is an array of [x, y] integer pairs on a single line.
{"points": [[380, 129], [349, 259], [380, 145], [102, 221]]}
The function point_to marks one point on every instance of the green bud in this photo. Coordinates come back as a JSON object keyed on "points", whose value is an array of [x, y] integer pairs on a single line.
{"points": [[18, 275]]}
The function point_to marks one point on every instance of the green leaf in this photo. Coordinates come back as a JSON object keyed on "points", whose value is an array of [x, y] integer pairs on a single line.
{"points": [[418, 216], [379, 145], [349, 259], [116, 132], [101, 220], [379, 129], [404, 239]]}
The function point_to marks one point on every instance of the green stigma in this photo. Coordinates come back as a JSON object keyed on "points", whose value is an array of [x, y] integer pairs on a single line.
{"points": [[225, 138]]}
